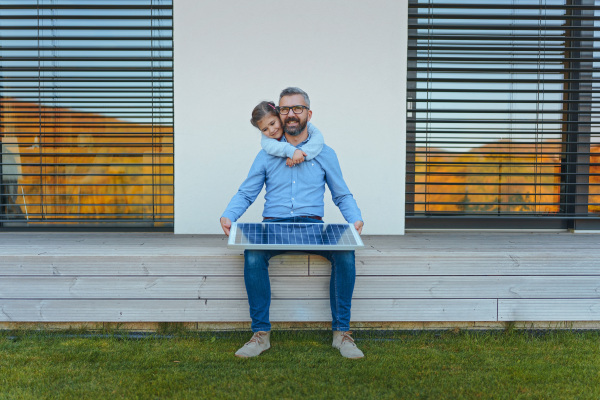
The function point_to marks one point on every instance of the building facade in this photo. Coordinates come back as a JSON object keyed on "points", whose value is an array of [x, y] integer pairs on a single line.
{"points": [[135, 113]]}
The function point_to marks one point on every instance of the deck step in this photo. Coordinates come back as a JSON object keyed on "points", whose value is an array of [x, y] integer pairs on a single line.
{"points": [[161, 277]]}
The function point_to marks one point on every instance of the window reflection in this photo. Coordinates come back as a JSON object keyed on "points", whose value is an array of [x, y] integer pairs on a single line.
{"points": [[85, 167]]}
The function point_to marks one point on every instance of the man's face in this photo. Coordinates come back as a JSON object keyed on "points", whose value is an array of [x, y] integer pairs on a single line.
{"points": [[294, 124]]}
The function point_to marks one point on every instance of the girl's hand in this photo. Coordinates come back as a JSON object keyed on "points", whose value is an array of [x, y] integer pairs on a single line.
{"points": [[298, 156], [289, 162]]}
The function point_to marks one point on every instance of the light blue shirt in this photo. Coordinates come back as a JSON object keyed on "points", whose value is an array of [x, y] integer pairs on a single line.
{"points": [[282, 148], [294, 191]]}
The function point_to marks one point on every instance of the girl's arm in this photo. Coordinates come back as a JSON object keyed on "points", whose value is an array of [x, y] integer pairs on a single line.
{"points": [[277, 148], [313, 147]]}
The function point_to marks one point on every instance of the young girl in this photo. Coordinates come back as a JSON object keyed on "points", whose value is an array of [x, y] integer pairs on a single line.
{"points": [[266, 119]]}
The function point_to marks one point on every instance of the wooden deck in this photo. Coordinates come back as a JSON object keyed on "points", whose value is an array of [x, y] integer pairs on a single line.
{"points": [[458, 277]]}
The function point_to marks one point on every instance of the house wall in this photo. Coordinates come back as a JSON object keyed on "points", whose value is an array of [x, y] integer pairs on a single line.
{"points": [[348, 55]]}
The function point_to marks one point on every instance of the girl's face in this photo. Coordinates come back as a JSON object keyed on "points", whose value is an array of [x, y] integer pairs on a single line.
{"points": [[270, 126]]}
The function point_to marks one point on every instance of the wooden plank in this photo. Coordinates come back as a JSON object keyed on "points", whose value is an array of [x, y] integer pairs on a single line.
{"points": [[237, 310], [477, 287], [449, 241], [496, 263], [148, 265], [295, 287], [115, 243], [425, 310], [134, 243], [549, 310], [468, 263]]}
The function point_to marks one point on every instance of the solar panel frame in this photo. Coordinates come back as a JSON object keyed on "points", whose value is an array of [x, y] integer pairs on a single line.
{"points": [[293, 236]]}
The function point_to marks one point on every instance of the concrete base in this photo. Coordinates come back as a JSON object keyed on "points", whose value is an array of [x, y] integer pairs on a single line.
{"points": [[245, 326]]}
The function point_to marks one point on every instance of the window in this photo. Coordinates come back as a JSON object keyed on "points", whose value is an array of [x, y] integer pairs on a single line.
{"points": [[502, 127], [86, 113]]}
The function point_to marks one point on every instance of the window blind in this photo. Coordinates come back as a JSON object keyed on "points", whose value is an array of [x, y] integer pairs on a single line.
{"points": [[502, 125], [86, 113]]}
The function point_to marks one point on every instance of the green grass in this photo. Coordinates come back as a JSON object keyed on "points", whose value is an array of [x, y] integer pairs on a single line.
{"points": [[301, 365]]}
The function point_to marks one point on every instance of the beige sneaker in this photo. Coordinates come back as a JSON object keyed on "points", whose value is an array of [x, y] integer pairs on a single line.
{"points": [[344, 342], [259, 343]]}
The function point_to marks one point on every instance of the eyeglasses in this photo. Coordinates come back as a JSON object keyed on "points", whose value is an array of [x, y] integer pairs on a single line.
{"points": [[295, 109]]}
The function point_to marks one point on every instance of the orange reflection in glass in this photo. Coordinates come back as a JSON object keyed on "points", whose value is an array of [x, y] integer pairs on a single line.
{"points": [[77, 165], [502, 177]]}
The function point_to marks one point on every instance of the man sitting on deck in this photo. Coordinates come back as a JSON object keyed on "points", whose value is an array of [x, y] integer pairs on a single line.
{"points": [[295, 194]]}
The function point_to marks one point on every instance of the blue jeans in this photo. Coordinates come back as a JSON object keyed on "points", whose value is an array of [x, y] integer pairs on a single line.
{"points": [[258, 286]]}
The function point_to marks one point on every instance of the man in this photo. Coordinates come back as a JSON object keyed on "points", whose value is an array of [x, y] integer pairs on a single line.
{"points": [[295, 194]]}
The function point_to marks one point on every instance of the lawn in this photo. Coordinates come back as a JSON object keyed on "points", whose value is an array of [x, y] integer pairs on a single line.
{"points": [[301, 365]]}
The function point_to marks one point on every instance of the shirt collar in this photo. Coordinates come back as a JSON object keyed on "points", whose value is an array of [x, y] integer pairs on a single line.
{"points": [[284, 139]]}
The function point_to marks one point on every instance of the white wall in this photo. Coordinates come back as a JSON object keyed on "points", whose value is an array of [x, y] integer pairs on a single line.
{"points": [[348, 55]]}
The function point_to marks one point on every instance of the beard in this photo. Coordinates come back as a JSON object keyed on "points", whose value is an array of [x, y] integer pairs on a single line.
{"points": [[298, 129]]}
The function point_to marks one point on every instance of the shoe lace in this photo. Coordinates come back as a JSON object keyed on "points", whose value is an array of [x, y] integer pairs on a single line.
{"points": [[347, 338], [256, 338]]}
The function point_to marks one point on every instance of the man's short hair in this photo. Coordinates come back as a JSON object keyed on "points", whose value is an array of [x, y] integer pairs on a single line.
{"points": [[290, 91]]}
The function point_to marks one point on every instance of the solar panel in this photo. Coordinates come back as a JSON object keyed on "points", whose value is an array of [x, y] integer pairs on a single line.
{"points": [[293, 236]]}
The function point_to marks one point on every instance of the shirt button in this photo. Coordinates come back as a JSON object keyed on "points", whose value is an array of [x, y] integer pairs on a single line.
{"points": [[292, 212], [292, 198], [293, 181]]}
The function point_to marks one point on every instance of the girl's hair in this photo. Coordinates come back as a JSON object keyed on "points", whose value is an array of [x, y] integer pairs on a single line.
{"points": [[261, 110]]}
